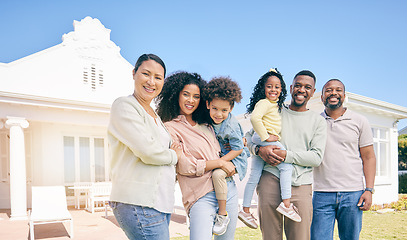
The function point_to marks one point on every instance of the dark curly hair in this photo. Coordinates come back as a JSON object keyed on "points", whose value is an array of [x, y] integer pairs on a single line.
{"points": [[258, 92], [223, 88], [168, 106]]}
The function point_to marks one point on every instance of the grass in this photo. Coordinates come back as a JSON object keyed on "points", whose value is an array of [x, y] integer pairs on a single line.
{"points": [[392, 225]]}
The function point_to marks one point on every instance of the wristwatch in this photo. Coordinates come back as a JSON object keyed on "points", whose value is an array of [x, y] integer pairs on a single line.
{"points": [[369, 189], [256, 150]]}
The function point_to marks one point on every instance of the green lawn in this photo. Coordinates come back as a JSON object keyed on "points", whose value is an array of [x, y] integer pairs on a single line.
{"points": [[391, 225]]}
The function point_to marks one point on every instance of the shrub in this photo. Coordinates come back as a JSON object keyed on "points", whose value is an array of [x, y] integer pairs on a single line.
{"points": [[403, 183], [400, 205], [402, 142]]}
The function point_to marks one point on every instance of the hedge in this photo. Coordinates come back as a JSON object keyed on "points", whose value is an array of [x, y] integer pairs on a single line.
{"points": [[402, 140], [403, 183]]}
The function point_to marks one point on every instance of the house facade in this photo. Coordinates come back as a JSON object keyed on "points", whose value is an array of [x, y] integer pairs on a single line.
{"points": [[54, 112]]}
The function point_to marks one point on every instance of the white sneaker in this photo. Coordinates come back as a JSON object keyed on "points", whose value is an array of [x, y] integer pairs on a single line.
{"points": [[221, 224], [248, 219], [291, 212]]}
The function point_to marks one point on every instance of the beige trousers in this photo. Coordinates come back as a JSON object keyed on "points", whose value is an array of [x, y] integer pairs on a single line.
{"points": [[219, 184], [271, 221]]}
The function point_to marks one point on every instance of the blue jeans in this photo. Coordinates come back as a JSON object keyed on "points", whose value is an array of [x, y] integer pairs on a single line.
{"points": [[342, 206], [140, 222], [254, 178], [202, 215], [285, 169]]}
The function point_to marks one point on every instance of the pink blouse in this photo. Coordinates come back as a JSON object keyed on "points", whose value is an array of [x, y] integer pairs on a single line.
{"points": [[197, 148]]}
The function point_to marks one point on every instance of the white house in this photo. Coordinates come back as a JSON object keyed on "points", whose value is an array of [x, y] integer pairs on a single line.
{"points": [[54, 111], [55, 105]]}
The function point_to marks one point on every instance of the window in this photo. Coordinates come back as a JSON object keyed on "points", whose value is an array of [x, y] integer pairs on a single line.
{"points": [[100, 168], [85, 159], [382, 150]]}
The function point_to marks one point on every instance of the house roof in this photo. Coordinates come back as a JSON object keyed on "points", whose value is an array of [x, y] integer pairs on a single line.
{"points": [[403, 131], [85, 71]]}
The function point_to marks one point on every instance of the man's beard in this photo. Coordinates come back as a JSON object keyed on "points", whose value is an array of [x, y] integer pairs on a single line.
{"points": [[333, 106]]}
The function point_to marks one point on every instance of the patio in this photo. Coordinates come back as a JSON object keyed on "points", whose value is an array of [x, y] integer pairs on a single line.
{"points": [[86, 226]]}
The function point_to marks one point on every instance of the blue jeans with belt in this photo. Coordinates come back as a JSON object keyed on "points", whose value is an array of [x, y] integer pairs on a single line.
{"points": [[341, 206], [140, 222]]}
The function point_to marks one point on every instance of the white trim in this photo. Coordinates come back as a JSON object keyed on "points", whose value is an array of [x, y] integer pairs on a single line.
{"points": [[32, 100], [392, 107], [367, 104]]}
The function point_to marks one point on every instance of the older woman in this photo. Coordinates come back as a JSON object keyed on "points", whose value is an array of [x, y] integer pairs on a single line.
{"points": [[184, 112], [143, 158]]}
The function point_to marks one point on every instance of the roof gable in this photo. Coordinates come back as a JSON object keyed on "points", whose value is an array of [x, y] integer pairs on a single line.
{"points": [[86, 66]]}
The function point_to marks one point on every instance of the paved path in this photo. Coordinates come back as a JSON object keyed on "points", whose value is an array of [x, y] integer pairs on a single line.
{"points": [[87, 226]]}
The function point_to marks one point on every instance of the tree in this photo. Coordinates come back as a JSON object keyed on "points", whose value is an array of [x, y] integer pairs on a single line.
{"points": [[402, 152]]}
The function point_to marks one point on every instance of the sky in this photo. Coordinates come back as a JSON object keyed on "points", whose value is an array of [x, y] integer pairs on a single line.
{"points": [[362, 43]]}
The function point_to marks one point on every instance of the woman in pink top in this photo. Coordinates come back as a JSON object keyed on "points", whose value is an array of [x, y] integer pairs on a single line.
{"points": [[181, 107]]}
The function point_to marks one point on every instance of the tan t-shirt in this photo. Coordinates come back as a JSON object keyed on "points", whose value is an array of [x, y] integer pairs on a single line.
{"points": [[341, 169]]}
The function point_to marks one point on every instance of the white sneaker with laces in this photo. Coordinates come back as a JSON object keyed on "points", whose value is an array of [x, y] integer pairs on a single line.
{"points": [[248, 219], [291, 212], [221, 224]]}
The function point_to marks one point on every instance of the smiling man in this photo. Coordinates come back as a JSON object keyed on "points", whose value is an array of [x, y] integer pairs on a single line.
{"points": [[303, 133], [349, 164]]}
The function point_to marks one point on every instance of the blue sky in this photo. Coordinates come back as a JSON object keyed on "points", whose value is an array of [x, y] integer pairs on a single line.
{"points": [[363, 43]]}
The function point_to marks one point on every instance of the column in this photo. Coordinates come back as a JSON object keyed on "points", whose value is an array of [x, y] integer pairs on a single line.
{"points": [[18, 185]]}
